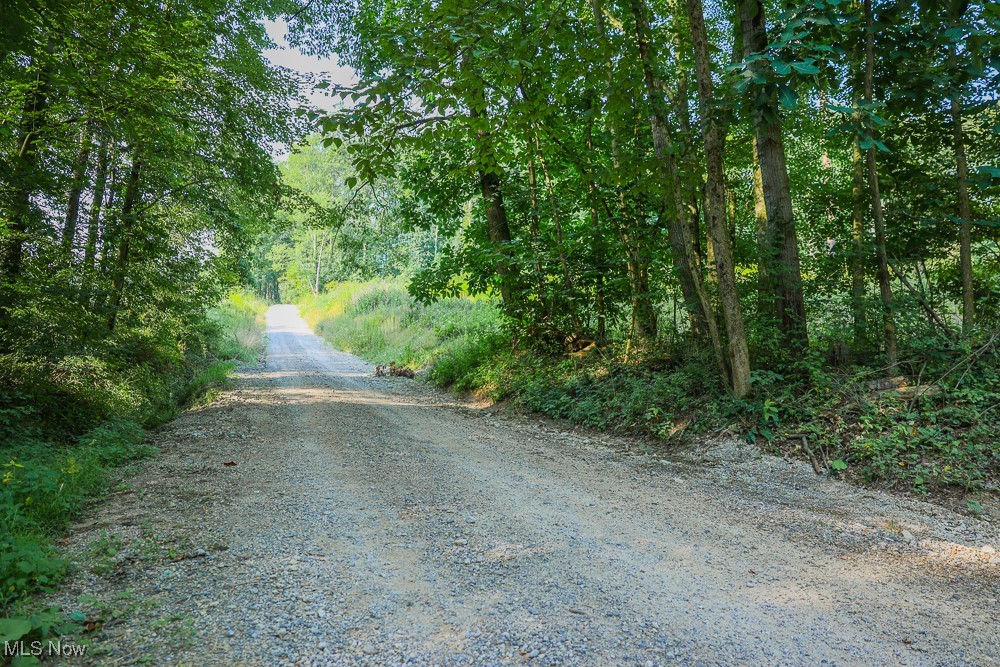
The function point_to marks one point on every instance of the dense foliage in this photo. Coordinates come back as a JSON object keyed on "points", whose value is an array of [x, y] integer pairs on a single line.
{"points": [[767, 174], [784, 215], [135, 157]]}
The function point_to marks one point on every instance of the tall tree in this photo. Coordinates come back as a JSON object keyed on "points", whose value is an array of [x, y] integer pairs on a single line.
{"points": [[884, 280], [715, 211], [782, 248], [76, 187]]}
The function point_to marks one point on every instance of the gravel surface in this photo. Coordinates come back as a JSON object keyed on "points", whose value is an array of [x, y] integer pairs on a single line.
{"points": [[317, 515]]}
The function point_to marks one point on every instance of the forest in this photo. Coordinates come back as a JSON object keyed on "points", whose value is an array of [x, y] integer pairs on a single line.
{"points": [[672, 218], [679, 218]]}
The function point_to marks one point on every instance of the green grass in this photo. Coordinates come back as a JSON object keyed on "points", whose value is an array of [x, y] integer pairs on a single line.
{"points": [[452, 339], [240, 319]]}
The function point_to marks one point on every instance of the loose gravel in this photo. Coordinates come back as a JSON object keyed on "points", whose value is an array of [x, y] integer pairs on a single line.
{"points": [[317, 515]]}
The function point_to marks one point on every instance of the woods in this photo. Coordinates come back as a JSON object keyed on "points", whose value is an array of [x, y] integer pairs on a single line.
{"points": [[742, 197], [135, 157], [773, 212], [136, 162]]}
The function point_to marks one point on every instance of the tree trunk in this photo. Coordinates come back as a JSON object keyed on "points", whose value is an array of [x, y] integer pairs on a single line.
{"points": [[964, 212], [784, 270], [76, 189], [111, 227], [685, 259], [596, 245], [94, 220], [644, 323], [125, 241], [687, 201], [318, 246], [534, 227], [498, 230], [497, 226], [858, 310], [884, 284], [765, 288], [560, 245], [739, 355]]}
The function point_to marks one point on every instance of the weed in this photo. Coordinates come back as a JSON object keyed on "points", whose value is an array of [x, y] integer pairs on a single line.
{"points": [[101, 552]]}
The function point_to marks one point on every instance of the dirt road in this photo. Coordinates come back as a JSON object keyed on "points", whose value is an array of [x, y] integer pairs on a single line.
{"points": [[376, 521]]}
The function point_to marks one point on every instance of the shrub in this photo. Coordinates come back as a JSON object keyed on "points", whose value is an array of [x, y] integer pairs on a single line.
{"points": [[67, 419]]}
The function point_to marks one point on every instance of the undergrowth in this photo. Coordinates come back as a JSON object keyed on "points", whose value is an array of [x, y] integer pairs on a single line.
{"points": [[67, 421], [935, 427], [454, 340]]}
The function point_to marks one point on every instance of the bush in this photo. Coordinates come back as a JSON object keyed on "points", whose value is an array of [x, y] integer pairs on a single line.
{"points": [[26, 565], [44, 486]]}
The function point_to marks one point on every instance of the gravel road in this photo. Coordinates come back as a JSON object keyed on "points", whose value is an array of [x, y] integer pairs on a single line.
{"points": [[317, 515]]}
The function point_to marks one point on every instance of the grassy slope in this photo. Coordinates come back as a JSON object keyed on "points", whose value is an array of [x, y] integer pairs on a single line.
{"points": [[458, 341], [937, 443], [45, 481]]}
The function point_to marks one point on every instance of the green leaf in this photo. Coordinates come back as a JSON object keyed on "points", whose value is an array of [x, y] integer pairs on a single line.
{"points": [[974, 506], [838, 465], [78, 616], [12, 629], [787, 97], [805, 67]]}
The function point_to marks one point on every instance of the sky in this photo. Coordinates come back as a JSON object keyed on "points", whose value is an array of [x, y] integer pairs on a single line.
{"points": [[318, 69]]}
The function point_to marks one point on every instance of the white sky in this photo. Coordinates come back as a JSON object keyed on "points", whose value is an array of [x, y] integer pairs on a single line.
{"points": [[317, 69]]}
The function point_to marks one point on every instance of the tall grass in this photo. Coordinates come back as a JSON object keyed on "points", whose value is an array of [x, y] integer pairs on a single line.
{"points": [[240, 319], [455, 340]]}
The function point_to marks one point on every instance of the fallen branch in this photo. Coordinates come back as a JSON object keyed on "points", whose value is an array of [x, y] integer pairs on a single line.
{"points": [[812, 457], [931, 313], [394, 370]]}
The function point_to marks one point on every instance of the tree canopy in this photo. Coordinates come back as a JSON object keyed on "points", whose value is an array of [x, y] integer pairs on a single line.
{"points": [[818, 175]]}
